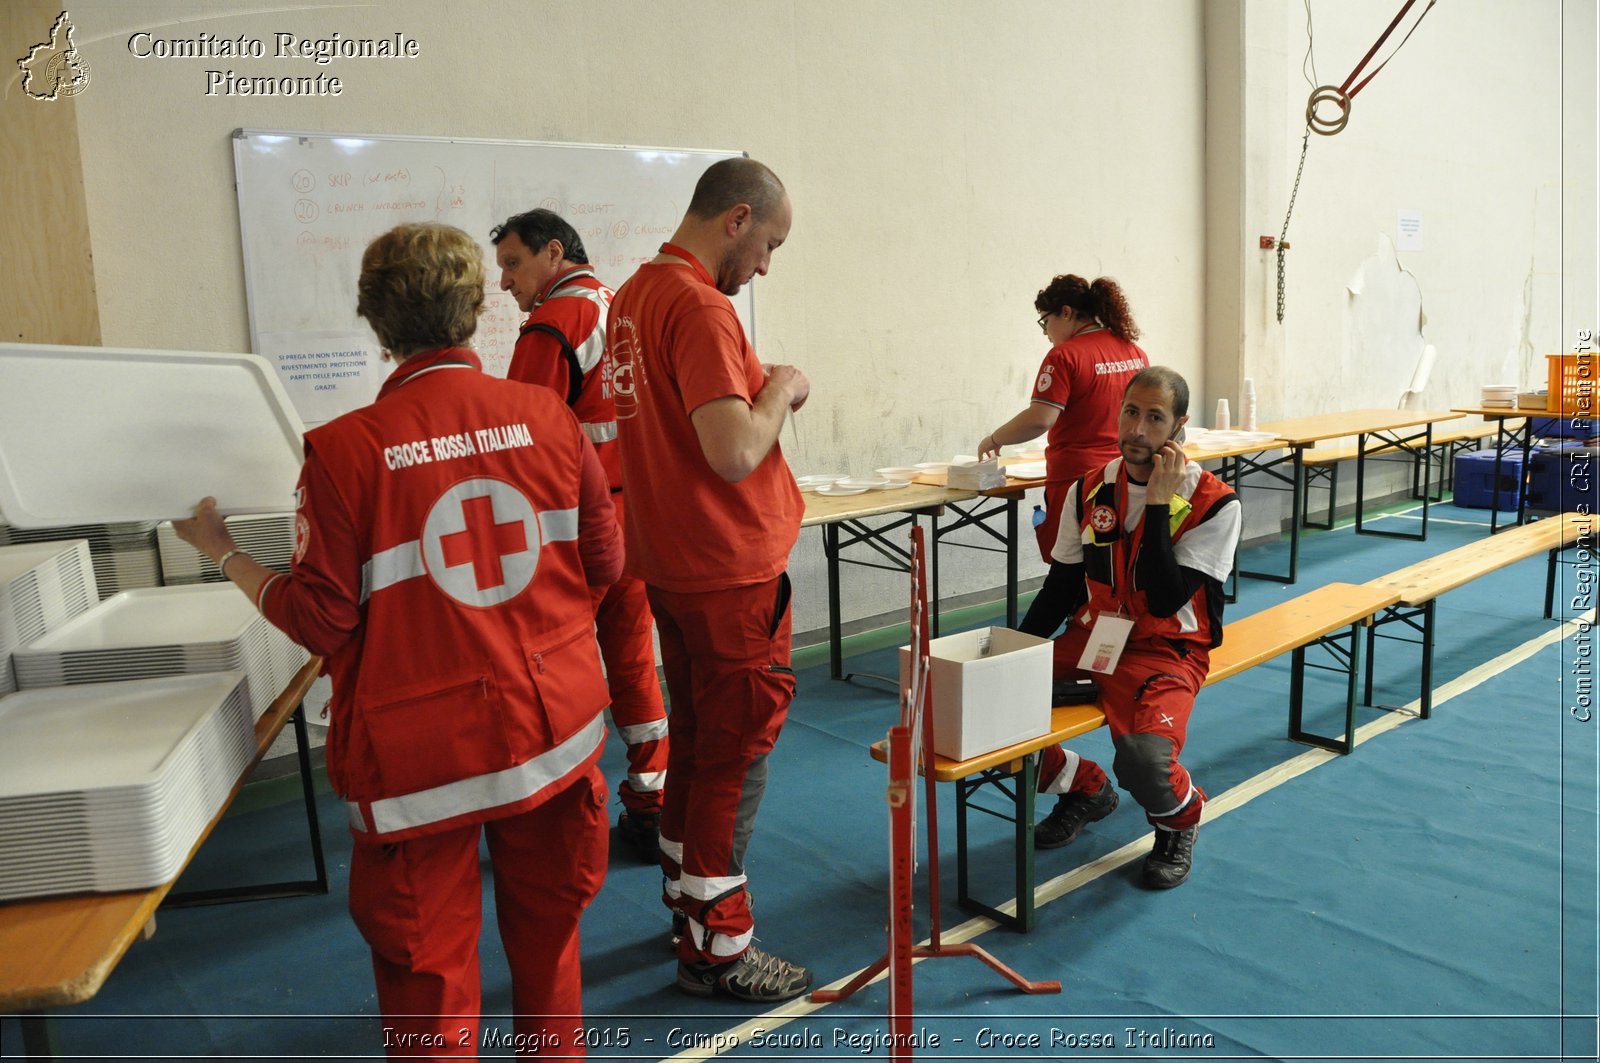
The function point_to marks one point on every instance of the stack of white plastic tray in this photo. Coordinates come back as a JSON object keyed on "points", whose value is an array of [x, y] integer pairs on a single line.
{"points": [[268, 538], [165, 631], [108, 786], [42, 586], [124, 554]]}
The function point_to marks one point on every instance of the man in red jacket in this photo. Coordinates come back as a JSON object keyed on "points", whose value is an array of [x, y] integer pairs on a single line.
{"points": [[562, 346], [448, 538], [1146, 541]]}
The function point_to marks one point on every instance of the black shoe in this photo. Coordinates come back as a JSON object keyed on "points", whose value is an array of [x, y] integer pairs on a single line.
{"points": [[1065, 822], [643, 832], [1170, 859], [756, 976]]}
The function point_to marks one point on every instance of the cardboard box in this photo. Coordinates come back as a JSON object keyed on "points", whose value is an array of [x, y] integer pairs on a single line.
{"points": [[991, 689]]}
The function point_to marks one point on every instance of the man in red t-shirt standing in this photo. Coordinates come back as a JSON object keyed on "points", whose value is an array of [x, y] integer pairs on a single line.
{"points": [[562, 346], [713, 511]]}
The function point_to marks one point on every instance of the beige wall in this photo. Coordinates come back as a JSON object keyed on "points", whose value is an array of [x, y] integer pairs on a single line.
{"points": [[945, 159], [1465, 126]]}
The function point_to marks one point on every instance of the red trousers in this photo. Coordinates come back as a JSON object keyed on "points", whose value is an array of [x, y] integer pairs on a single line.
{"points": [[418, 904], [1055, 496], [622, 625], [726, 655], [1147, 702]]}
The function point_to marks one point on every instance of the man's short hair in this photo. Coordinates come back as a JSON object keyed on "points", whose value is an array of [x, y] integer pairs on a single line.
{"points": [[730, 182], [537, 227], [1169, 380], [421, 287]]}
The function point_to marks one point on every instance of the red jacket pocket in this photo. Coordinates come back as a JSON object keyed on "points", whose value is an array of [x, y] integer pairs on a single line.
{"points": [[570, 685], [422, 739]]}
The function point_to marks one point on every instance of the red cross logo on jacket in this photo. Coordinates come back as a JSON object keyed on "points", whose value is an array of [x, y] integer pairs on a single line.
{"points": [[480, 542]]}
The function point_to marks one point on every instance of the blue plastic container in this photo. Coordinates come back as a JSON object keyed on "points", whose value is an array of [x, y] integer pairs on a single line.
{"points": [[1564, 479], [1475, 488], [1565, 428]]}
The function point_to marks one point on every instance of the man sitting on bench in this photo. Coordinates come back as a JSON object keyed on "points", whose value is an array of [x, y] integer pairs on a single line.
{"points": [[1145, 544]]}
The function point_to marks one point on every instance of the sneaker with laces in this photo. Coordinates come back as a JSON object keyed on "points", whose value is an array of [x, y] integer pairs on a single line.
{"points": [[1170, 859], [643, 832], [756, 976], [1066, 821]]}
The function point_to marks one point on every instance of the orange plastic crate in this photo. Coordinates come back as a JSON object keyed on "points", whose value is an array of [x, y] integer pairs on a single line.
{"points": [[1574, 383]]}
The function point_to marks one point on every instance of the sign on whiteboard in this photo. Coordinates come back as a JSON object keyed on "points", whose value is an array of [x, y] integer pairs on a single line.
{"points": [[309, 203], [1408, 231]]}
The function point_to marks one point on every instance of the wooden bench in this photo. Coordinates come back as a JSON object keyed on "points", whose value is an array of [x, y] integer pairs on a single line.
{"points": [[1330, 616], [1322, 466], [1419, 586]]}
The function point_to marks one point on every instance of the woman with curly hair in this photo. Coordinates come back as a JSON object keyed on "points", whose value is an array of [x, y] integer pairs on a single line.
{"points": [[1079, 388]]}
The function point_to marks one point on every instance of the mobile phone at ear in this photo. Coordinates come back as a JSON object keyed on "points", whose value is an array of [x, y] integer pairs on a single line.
{"points": [[1179, 437]]}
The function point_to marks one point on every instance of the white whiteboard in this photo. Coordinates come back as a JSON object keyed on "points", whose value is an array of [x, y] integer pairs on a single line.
{"points": [[309, 203]]}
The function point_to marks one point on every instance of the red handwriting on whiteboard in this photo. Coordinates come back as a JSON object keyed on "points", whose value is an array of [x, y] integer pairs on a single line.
{"points": [[386, 177]]}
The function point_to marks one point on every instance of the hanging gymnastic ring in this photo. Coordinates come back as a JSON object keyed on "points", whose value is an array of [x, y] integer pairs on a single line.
{"points": [[1327, 94]]}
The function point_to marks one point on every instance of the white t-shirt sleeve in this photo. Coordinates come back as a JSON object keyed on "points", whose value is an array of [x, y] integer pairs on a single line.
{"points": [[1209, 546]]}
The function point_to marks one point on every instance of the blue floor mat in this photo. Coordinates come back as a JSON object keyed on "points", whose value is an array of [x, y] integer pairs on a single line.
{"points": [[1433, 895]]}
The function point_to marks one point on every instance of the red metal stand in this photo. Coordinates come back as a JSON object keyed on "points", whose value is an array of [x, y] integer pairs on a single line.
{"points": [[915, 729]]}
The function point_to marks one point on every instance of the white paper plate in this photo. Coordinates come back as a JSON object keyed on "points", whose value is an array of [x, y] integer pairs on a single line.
{"points": [[98, 434], [840, 489], [900, 472], [868, 483], [933, 466], [816, 480], [1026, 470], [1233, 437]]}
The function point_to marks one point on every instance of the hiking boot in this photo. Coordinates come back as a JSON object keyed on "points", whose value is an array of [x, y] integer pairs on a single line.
{"points": [[1170, 859], [757, 977], [642, 831], [1065, 822]]}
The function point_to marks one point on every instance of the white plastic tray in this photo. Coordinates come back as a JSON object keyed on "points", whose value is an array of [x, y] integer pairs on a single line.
{"points": [[18, 560], [104, 434], [103, 735], [154, 616]]}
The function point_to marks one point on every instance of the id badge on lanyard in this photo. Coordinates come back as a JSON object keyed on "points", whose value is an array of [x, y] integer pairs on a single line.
{"points": [[1106, 641]]}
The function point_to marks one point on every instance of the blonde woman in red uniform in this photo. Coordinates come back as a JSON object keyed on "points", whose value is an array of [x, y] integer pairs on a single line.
{"points": [[447, 540]]}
